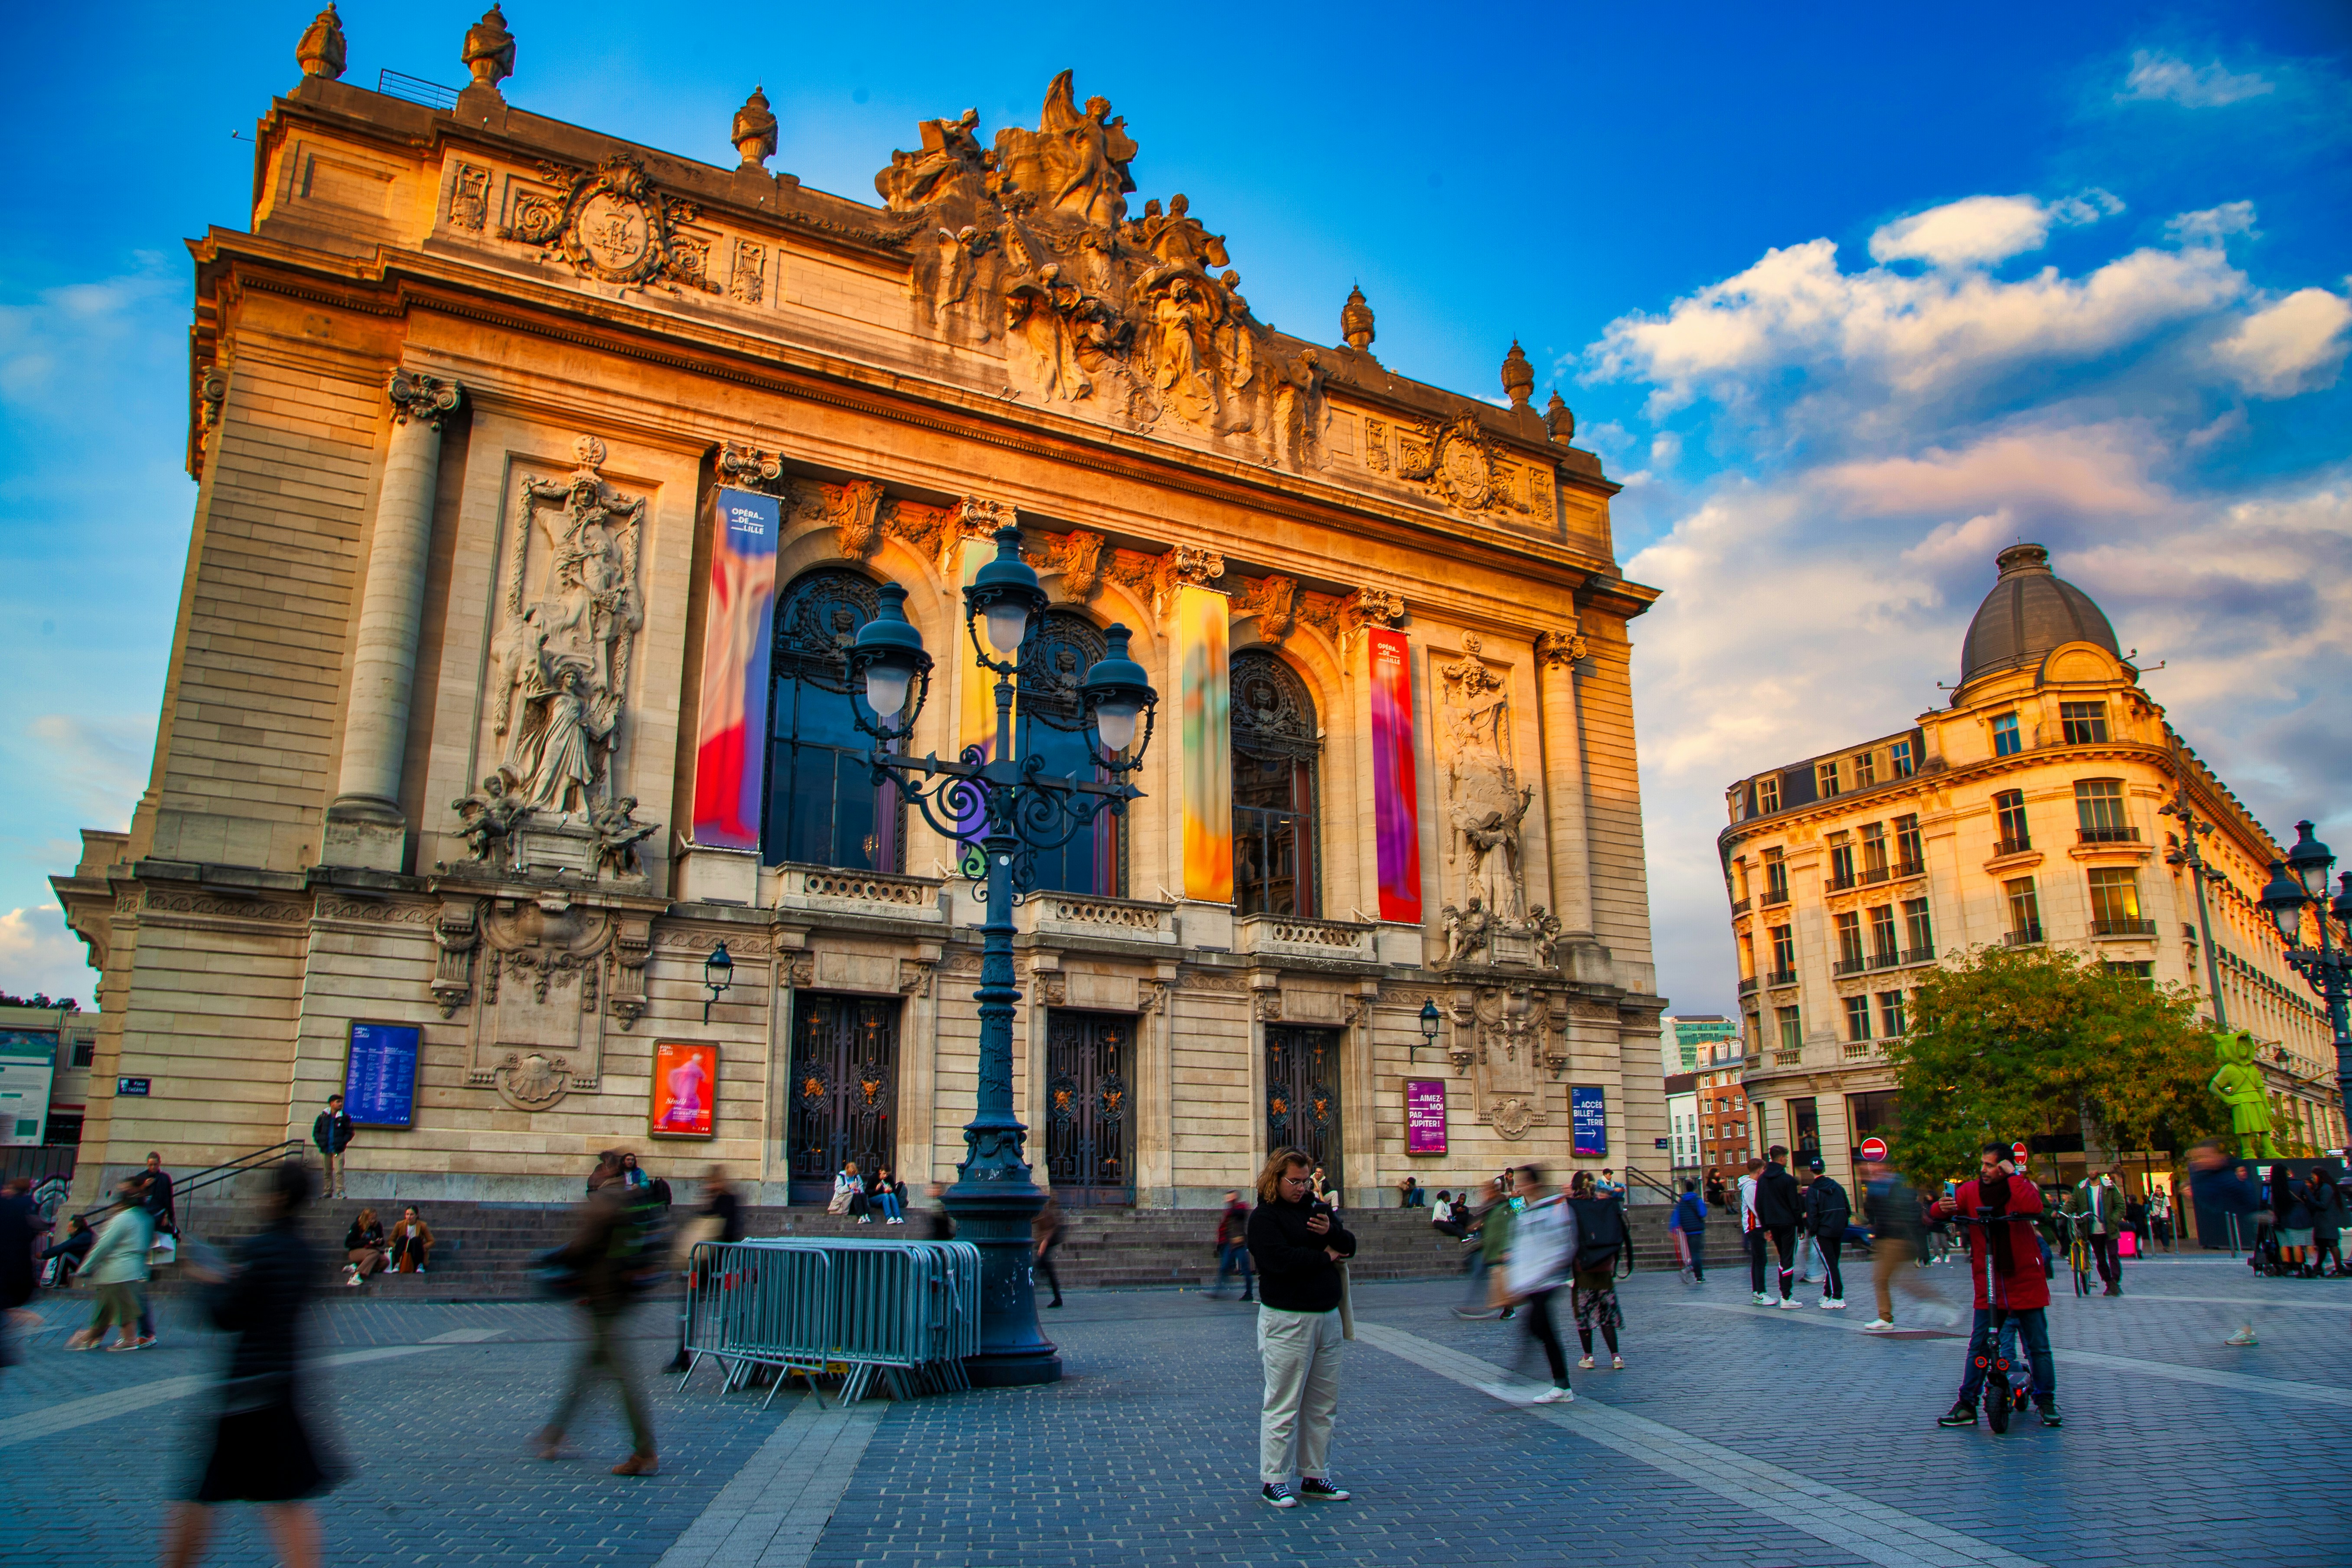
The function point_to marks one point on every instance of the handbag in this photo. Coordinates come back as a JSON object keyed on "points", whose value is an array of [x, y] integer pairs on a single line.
{"points": [[165, 1248], [840, 1202], [2126, 1244]]}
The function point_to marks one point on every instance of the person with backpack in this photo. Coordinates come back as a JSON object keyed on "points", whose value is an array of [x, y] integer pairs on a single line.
{"points": [[1689, 1225], [613, 1255], [1779, 1208], [1593, 1283], [1828, 1212]]}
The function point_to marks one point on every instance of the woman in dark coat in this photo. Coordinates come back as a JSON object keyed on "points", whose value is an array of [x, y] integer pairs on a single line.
{"points": [[1600, 1236], [262, 1450]]}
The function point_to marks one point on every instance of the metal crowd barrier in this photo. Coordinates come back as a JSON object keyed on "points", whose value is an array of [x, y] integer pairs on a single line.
{"points": [[904, 1312]]}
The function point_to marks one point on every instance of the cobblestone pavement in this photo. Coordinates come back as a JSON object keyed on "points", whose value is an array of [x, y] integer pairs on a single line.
{"points": [[1735, 1435]]}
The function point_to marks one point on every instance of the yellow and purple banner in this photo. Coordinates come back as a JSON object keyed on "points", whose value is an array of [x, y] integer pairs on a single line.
{"points": [[1205, 768], [1396, 814], [730, 753]]}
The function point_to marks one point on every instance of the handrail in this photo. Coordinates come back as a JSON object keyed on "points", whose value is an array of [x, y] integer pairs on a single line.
{"points": [[212, 1175], [1636, 1173]]}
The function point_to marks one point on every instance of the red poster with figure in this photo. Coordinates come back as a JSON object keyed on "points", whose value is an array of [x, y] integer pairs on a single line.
{"points": [[685, 1091]]}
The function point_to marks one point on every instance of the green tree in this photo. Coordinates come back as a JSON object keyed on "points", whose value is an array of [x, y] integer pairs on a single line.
{"points": [[2015, 1043]]}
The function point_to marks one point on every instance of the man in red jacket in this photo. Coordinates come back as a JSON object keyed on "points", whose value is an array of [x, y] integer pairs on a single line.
{"points": [[2005, 1260]]}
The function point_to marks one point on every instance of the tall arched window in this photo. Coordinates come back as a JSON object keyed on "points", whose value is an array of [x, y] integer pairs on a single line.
{"points": [[1276, 751], [824, 807], [1050, 721]]}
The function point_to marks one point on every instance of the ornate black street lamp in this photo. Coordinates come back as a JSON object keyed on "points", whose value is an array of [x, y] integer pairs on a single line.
{"points": [[1017, 811], [2301, 880], [717, 976]]}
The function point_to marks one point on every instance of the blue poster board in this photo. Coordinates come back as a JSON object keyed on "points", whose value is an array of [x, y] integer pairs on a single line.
{"points": [[1589, 1110], [379, 1075]]}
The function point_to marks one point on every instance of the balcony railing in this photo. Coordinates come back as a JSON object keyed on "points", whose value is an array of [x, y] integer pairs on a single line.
{"points": [[1906, 870], [1856, 1049], [2123, 928], [1795, 1059], [2012, 846], [1740, 906], [1840, 884], [1747, 986], [1918, 955], [2107, 834], [1874, 875], [1854, 966], [2023, 936], [1774, 896], [1782, 977], [1298, 934]]}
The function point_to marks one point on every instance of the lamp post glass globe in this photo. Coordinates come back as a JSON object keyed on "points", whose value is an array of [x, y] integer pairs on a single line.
{"points": [[1115, 722], [1429, 1020], [886, 690], [1008, 626], [2284, 897], [2310, 860]]}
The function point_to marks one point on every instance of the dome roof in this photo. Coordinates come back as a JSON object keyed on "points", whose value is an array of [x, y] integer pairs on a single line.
{"points": [[2030, 611]]}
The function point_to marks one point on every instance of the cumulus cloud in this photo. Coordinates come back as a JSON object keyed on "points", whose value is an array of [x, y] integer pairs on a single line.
{"points": [[2159, 77], [37, 954], [1980, 230], [2212, 225], [2295, 345]]}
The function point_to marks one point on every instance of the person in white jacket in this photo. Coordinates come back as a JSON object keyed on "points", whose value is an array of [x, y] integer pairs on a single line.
{"points": [[1543, 1248]]}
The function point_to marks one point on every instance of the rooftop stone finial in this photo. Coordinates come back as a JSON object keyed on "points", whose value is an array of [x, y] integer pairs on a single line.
{"points": [[1518, 376], [754, 131], [1356, 322], [320, 52], [1559, 419], [489, 50]]}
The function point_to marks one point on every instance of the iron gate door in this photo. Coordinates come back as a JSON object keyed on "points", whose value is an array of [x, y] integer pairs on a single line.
{"points": [[843, 1094], [1302, 1095], [1090, 1109]]}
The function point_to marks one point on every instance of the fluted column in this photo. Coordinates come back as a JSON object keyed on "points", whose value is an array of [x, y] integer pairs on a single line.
{"points": [[364, 825], [1564, 792]]}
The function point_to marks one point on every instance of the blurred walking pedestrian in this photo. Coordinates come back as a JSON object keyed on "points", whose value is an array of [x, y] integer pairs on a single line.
{"points": [[2159, 1218], [719, 1219], [609, 1258], [331, 1131], [262, 1450], [20, 1231], [1690, 1226], [1489, 1292], [938, 1224], [1298, 1242], [1896, 1242], [1045, 1233], [1232, 1247], [2219, 1185], [1751, 1232], [2325, 1201], [117, 1266], [1543, 1254], [1828, 1210], [2100, 1201], [1998, 1210], [1600, 1239]]}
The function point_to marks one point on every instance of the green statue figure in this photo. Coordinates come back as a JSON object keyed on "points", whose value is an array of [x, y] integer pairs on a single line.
{"points": [[2239, 1085]]}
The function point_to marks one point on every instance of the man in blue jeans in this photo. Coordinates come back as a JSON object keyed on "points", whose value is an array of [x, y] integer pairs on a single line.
{"points": [[1998, 1210]]}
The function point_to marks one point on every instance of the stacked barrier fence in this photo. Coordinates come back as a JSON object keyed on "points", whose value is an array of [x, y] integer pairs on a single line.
{"points": [[906, 1314]]}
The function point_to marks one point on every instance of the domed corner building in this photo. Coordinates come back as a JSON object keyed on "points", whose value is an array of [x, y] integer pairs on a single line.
{"points": [[545, 479], [2025, 813]]}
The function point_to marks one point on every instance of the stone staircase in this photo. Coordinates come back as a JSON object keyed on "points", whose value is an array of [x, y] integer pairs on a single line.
{"points": [[484, 1250]]}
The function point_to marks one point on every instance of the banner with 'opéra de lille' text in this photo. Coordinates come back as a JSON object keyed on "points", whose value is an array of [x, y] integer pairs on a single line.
{"points": [[730, 755]]}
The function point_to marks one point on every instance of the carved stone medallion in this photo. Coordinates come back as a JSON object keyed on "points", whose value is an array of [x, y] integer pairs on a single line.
{"points": [[1512, 1117]]}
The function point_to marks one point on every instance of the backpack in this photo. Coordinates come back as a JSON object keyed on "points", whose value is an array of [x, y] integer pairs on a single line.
{"points": [[638, 1247]]}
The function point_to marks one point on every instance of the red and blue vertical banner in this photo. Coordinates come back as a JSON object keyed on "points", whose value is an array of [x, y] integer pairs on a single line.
{"points": [[1396, 813], [730, 752]]}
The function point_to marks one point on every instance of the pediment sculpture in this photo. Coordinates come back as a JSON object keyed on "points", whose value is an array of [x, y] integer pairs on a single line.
{"points": [[1139, 319]]}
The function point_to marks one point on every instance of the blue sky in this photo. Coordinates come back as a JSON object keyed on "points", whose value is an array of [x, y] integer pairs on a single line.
{"points": [[1847, 296]]}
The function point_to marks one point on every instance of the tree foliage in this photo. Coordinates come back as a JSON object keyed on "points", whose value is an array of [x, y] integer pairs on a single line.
{"points": [[40, 999], [2015, 1043]]}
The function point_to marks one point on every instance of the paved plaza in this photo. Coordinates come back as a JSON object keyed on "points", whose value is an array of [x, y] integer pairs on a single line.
{"points": [[1734, 1435]]}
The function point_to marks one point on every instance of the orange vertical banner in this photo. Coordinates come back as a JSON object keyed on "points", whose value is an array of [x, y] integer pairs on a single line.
{"points": [[1204, 773]]}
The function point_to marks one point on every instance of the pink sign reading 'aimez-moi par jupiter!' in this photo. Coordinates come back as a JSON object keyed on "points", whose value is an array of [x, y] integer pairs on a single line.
{"points": [[1424, 1116]]}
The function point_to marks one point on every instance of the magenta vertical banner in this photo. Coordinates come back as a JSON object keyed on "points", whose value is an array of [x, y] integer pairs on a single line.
{"points": [[730, 753], [1424, 1116], [1396, 814]]}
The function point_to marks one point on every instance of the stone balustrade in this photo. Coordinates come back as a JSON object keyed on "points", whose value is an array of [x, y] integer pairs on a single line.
{"points": [[864, 892], [1080, 914], [1307, 938]]}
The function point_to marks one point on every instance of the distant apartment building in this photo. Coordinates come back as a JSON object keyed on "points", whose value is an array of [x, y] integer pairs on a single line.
{"points": [[1683, 1121], [1682, 1039], [2026, 813], [1722, 1105], [44, 1060]]}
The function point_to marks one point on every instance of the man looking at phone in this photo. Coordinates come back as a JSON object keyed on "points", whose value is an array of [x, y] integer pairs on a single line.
{"points": [[2005, 1260], [1297, 1242]]}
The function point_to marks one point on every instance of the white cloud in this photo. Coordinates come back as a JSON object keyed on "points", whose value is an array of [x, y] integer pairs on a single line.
{"points": [[1980, 230], [37, 954], [2212, 225], [2295, 345], [2158, 76]]}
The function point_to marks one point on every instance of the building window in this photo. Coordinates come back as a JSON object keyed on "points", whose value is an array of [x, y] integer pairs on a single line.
{"points": [[1275, 753], [2085, 723], [1882, 934], [1891, 1022], [1898, 757], [824, 807], [1841, 861], [84, 1053], [1826, 774], [1874, 852], [1775, 877], [1909, 851], [1849, 940], [1857, 1017], [2114, 903], [2024, 911], [2099, 808], [1865, 770], [1784, 954], [1755, 1028], [2006, 741], [1792, 1029], [1919, 933], [1052, 727], [1768, 794], [2008, 806], [2138, 969]]}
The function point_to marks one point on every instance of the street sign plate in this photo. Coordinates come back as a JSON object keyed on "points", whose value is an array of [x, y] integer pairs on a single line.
{"points": [[1873, 1148], [131, 1086], [2017, 1150]]}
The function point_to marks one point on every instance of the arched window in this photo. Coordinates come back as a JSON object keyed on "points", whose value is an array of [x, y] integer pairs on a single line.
{"points": [[1050, 719], [1276, 751], [824, 807]]}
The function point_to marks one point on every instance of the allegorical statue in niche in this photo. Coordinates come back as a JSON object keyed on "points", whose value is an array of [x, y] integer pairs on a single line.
{"points": [[1485, 801], [553, 760], [1466, 928]]}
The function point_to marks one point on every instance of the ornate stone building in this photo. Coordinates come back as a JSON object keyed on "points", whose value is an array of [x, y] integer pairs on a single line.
{"points": [[2029, 811], [543, 479]]}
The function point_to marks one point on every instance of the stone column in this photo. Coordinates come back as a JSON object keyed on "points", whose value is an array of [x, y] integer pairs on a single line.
{"points": [[364, 825], [1564, 794]]}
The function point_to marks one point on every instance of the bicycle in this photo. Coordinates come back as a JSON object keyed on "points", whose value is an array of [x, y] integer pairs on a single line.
{"points": [[2078, 1252]]}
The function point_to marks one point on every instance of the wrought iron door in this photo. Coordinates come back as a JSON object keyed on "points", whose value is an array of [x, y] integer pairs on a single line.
{"points": [[1302, 1095], [1089, 1106], [843, 1098]]}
